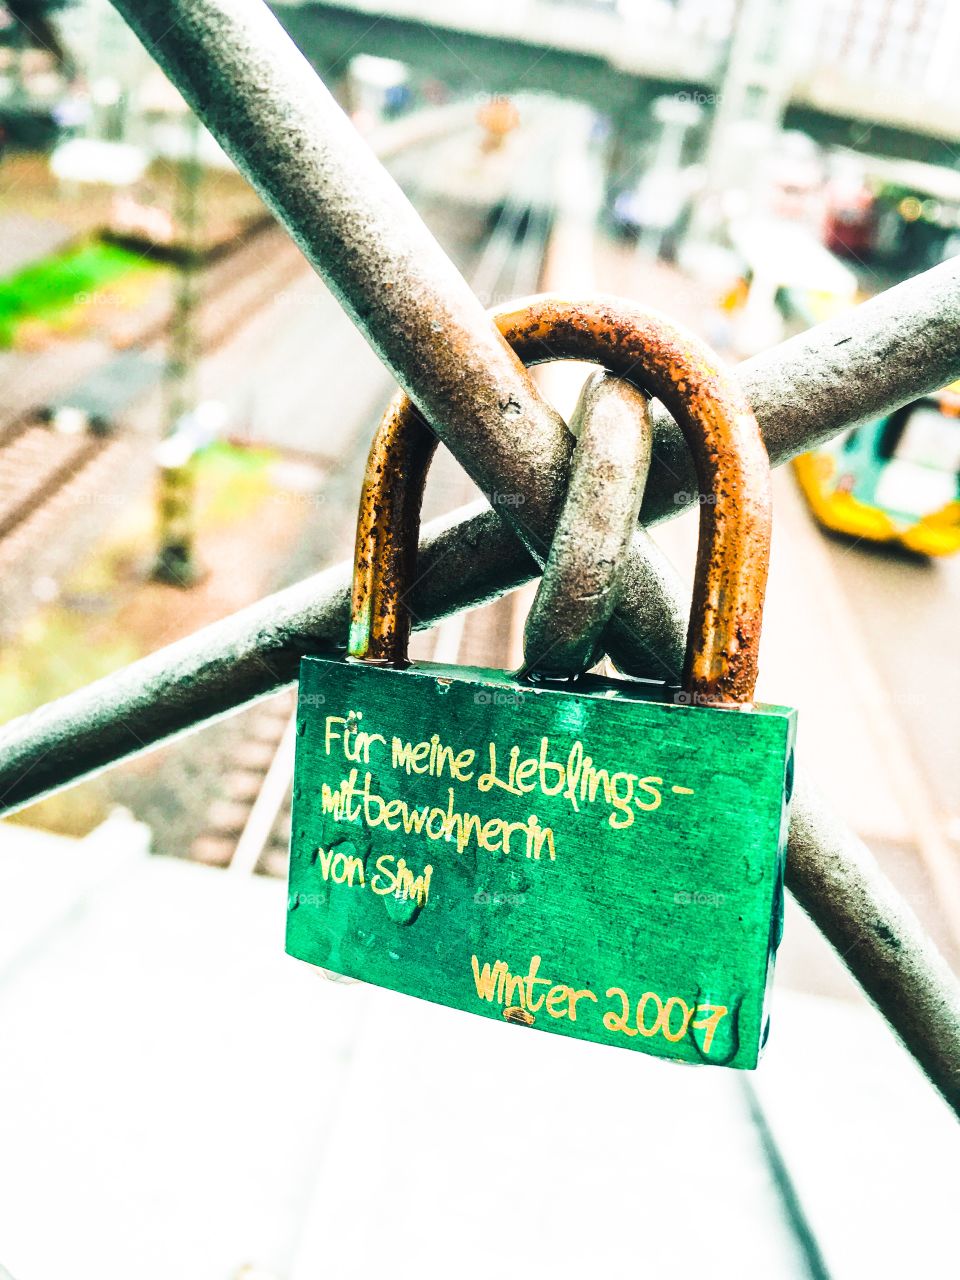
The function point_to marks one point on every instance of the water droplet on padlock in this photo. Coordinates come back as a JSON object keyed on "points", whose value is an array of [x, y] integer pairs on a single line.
{"points": [[401, 909]]}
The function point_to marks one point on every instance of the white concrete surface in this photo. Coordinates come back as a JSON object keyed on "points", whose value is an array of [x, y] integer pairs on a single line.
{"points": [[167, 1078], [178, 1098], [872, 1151]]}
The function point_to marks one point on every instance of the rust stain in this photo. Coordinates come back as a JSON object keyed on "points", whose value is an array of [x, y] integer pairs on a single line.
{"points": [[663, 360], [516, 1013]]}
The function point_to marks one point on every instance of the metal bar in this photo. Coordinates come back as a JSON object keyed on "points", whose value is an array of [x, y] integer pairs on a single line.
{"points": [[467, 559], [835, 878], [730, 460], [580, 584], [259, 98], [262, 101], [257, 94]]}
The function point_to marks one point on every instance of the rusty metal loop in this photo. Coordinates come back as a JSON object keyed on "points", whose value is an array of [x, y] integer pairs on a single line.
{"points": [[588, 555], [732, 467]]}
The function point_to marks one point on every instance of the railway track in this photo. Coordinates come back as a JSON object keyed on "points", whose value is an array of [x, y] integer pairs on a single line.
{"points": [[34, 463], [232, 287], [37, 462], [247, 829]]}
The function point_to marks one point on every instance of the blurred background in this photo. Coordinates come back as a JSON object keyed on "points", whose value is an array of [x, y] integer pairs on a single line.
{"points": [[184, 418]]}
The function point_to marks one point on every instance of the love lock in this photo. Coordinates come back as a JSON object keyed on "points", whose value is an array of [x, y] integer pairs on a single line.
{"points": [[598, 858]]}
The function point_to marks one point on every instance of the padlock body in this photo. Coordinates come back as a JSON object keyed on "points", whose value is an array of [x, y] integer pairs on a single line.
{"points": [[598, 861]]}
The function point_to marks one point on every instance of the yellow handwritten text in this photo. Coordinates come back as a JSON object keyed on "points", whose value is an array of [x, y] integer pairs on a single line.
{"points": [[392, 875], [578, 780], [340, 867], [432, 757], [355, 742], [350, 802], [400, 881], [518, 991], [569, 774], [521, 1003]]}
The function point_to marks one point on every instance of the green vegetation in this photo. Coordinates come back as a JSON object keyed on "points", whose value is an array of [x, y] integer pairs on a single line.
{"points": [[232, 481], [53, 656], [46, 289]]}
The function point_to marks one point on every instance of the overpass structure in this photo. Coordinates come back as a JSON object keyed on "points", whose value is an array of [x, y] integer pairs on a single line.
{"points": [[620, 66]]}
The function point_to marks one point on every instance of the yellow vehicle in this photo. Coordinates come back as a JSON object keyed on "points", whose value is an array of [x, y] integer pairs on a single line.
{"points": [[897, 479], [789, 281]]}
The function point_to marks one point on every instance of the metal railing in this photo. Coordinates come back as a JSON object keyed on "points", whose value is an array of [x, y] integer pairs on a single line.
{"points": [[261, 100]]}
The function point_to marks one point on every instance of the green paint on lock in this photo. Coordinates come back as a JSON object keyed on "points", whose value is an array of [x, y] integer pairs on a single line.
{"points": [[591, 861]]}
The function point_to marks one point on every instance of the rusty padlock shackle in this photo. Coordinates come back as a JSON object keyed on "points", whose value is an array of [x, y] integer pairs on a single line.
{"points": [[733, 474]]}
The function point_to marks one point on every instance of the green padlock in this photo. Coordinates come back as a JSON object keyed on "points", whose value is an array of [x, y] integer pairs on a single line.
{"points": [[602, 859]]}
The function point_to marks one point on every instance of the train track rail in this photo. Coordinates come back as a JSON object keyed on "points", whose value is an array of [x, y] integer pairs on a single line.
{"points": [[247, 829], [37, 462], [232, 288], [34, 463]]}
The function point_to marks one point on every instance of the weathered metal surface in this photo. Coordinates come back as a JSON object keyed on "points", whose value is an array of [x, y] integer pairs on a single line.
{"points": [[247, 86], [600, 863], [584, 570], [441, 813], [258, 95], [261, 100], [388, 524], [801, 393], [663, 360], [389, 517]]}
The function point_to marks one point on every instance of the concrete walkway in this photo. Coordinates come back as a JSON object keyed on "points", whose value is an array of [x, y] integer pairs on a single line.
{"points": [[179, 1098]]}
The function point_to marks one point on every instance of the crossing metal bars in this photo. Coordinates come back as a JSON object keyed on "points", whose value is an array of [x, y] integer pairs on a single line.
{"points": [[259, 97]]}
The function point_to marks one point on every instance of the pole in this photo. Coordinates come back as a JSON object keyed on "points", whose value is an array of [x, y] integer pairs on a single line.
{"points": [[176, 482]]}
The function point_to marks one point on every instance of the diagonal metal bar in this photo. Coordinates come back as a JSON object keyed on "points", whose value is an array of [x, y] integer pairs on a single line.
{"points": [[471, 557], [254, 90], [257, 94], [259, 98], [466, 559]]}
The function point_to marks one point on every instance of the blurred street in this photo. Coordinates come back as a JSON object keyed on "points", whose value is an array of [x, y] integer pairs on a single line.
{"points": [[186, 414]]}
